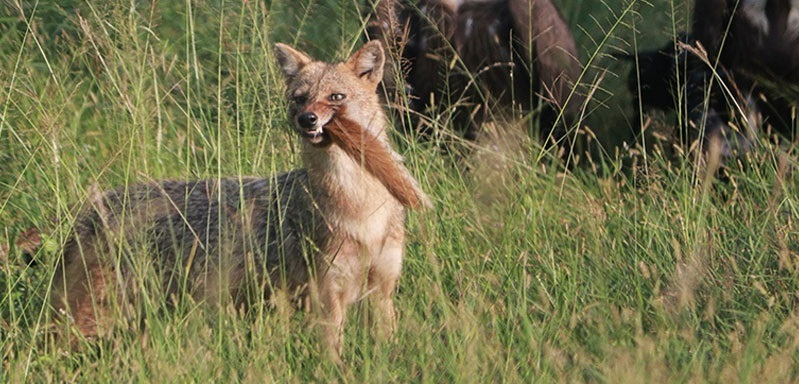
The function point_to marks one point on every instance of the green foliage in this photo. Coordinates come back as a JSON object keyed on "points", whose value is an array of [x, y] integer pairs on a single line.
{"points": [[634, 266]]}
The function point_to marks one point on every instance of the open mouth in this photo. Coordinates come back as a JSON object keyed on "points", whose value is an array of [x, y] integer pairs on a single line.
{"points": [[315, 136]]}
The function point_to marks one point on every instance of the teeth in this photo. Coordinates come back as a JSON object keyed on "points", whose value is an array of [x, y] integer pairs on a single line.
{"points": [[314, 135]]}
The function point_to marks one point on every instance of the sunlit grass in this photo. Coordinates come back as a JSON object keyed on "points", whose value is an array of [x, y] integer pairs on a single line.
{"points": [[630, 267]]}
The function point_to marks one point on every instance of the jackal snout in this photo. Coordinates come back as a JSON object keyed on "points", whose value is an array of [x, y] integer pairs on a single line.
{"points": [[310, 120], [307, 120]]}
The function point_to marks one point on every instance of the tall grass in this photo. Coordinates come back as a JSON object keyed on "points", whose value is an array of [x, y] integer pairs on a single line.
{"points": [[630, 267]]}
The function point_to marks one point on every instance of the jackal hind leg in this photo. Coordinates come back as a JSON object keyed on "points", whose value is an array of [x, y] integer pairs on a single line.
{"points": [[81, 298]]}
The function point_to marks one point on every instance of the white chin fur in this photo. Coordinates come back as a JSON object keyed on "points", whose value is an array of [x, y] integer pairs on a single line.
{"points": [[316, 138]]}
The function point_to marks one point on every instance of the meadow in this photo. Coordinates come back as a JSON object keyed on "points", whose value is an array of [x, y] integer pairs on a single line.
{"points": [[633, 265]]}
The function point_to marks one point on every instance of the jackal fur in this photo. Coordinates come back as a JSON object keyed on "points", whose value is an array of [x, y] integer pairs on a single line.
{"points": [[330, 234]]}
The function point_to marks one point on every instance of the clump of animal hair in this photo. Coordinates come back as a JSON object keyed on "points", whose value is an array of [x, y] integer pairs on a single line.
{"points": [[378, 159]]}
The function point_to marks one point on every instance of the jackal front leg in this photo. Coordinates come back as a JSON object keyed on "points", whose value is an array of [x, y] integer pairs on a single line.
{"points": [[383, 275], [338, 289]]}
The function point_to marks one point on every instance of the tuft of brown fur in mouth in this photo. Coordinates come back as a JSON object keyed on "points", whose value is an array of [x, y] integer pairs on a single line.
{"points": [[377, 158]]}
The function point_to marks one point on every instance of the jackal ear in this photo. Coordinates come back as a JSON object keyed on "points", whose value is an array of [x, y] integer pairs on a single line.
{"points": [[290, 60], [368, 62]]}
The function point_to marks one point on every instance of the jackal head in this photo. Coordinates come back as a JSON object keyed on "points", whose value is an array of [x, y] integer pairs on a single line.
{"points": [[318, 92]]}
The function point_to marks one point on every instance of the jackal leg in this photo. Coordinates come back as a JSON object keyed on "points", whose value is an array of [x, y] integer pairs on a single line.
{"points": [[333, 315], [81, 288], [383, 275], [338, 289]]}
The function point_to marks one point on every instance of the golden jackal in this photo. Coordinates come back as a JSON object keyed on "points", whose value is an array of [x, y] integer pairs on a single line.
{"points": [[332, 232]]}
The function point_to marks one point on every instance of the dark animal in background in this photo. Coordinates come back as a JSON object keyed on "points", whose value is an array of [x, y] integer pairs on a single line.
{"points": [[655, 80], [763, 35], [671, 78], [478, 59], [753, 46], [761, 49]]}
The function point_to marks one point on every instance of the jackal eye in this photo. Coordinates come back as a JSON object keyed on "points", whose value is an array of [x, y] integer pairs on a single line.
{"points": [[300, 99], [337, 97]]}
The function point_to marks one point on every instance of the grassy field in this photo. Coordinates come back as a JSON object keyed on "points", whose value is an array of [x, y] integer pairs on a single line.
{"points": [[633, 266]]}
